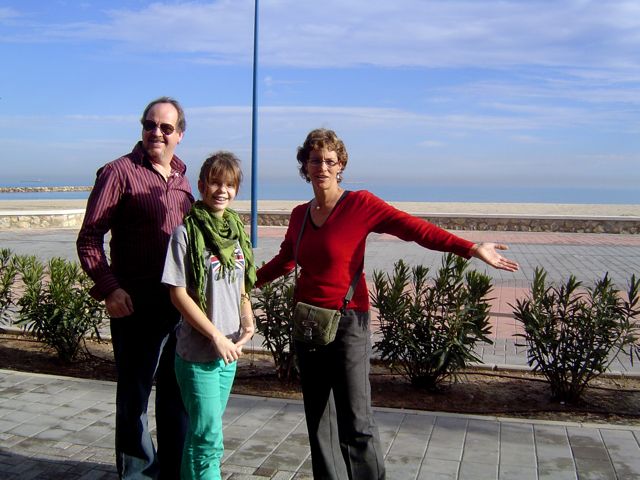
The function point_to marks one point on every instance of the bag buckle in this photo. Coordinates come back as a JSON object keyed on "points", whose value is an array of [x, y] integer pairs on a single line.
{"points": [[309, 325]]}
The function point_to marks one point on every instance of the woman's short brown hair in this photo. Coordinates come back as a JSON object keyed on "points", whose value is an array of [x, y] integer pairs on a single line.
{"points": [[318, 139]]}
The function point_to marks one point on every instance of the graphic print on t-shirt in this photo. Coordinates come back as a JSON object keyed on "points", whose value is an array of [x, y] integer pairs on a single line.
{"points": [[238, 256]]}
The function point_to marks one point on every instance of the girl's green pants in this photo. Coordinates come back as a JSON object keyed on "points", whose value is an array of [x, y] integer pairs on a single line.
{"points": [[205, 389]]}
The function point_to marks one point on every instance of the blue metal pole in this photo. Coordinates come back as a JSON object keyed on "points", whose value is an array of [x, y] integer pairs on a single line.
{"points": [[254, 135]]}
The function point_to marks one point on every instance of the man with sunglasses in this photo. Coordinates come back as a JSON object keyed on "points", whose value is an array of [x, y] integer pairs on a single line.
{"points": [[139, 198]]}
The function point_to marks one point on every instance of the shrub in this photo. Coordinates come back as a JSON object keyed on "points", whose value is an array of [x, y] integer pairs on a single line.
{"points": [[7, 278], [274, 319], [573, 334], [429, 328], [56, 306]]}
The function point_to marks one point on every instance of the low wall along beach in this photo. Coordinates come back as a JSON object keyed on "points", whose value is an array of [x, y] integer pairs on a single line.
{"points": [[520, 217]]}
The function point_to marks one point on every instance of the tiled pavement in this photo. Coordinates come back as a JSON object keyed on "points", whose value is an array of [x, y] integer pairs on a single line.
{"points": [[61, 428], [52, 427]]}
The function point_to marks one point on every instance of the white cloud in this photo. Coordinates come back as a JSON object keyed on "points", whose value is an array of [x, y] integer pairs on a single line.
{"points": [[440, 33], [505, 118], [8, 13], [431, 144], [527, 139]]}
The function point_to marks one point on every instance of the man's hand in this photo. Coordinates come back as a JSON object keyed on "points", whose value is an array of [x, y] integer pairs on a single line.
{"points": [[119, 304]]}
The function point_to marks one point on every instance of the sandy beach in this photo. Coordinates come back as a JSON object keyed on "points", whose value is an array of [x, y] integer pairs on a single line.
{"points": [[573, 210]]}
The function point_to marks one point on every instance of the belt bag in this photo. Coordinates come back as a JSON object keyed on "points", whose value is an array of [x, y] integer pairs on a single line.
{"points": [[317, 325]]}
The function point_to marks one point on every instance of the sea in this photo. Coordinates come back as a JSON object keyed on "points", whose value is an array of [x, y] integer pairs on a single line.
{"points": [[406, 193]]}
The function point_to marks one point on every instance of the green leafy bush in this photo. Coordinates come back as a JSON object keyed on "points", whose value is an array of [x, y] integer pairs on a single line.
{"points": [[56, 306], [430, 327], [573, 334], [274, 319], [7, 278]]}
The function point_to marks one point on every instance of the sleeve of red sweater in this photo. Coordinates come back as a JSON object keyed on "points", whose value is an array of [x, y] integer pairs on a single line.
{"points": [[385, 218], [284, 261]]}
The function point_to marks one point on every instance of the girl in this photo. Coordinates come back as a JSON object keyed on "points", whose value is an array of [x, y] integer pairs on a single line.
{"points": [[210, 270]]}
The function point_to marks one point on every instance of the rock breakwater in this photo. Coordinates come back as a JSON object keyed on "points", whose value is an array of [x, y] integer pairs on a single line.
{"points": [[45, 189]]}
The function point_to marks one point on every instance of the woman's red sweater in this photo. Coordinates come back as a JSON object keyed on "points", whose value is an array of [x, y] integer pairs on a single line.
{"points": [[329, 256]]}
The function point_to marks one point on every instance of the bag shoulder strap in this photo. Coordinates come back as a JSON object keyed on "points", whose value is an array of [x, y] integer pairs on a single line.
{"points": [[304, 222], [354, 282], [352, 287]]}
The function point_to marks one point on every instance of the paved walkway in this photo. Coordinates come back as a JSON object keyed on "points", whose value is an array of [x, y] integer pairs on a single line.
{"points": [[53, 427], [62, 428]]}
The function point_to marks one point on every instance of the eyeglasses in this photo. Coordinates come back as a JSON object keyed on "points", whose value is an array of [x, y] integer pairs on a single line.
{"points": [[165, 128], [316, 162]]}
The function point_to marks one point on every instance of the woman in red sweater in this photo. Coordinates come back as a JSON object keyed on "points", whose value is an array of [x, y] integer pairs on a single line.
{"points": [[335, 378]]}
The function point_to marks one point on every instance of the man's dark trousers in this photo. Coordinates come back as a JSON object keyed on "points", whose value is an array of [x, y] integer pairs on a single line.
{"points": [[144, 348]]}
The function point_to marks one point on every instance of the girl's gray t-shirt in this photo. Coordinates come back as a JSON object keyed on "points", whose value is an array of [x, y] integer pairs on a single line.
{"points": [[223, 295]]}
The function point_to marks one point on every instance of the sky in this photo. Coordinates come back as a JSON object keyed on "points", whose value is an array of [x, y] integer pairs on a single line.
{"points": [[493, 100]]}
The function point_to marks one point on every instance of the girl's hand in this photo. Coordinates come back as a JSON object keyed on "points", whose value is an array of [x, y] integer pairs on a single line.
{"points": [[488, 254], [247, 329], [227, 350]]}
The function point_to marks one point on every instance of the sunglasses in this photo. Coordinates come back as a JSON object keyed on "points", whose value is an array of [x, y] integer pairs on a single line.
{"points": [[165, 128]]}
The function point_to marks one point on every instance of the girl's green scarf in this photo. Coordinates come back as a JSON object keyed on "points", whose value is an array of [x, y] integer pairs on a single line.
{"points": [[218, 235]]}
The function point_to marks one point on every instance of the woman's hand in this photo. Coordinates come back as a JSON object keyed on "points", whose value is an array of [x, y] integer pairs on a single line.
{"points": [[488, 254]]}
